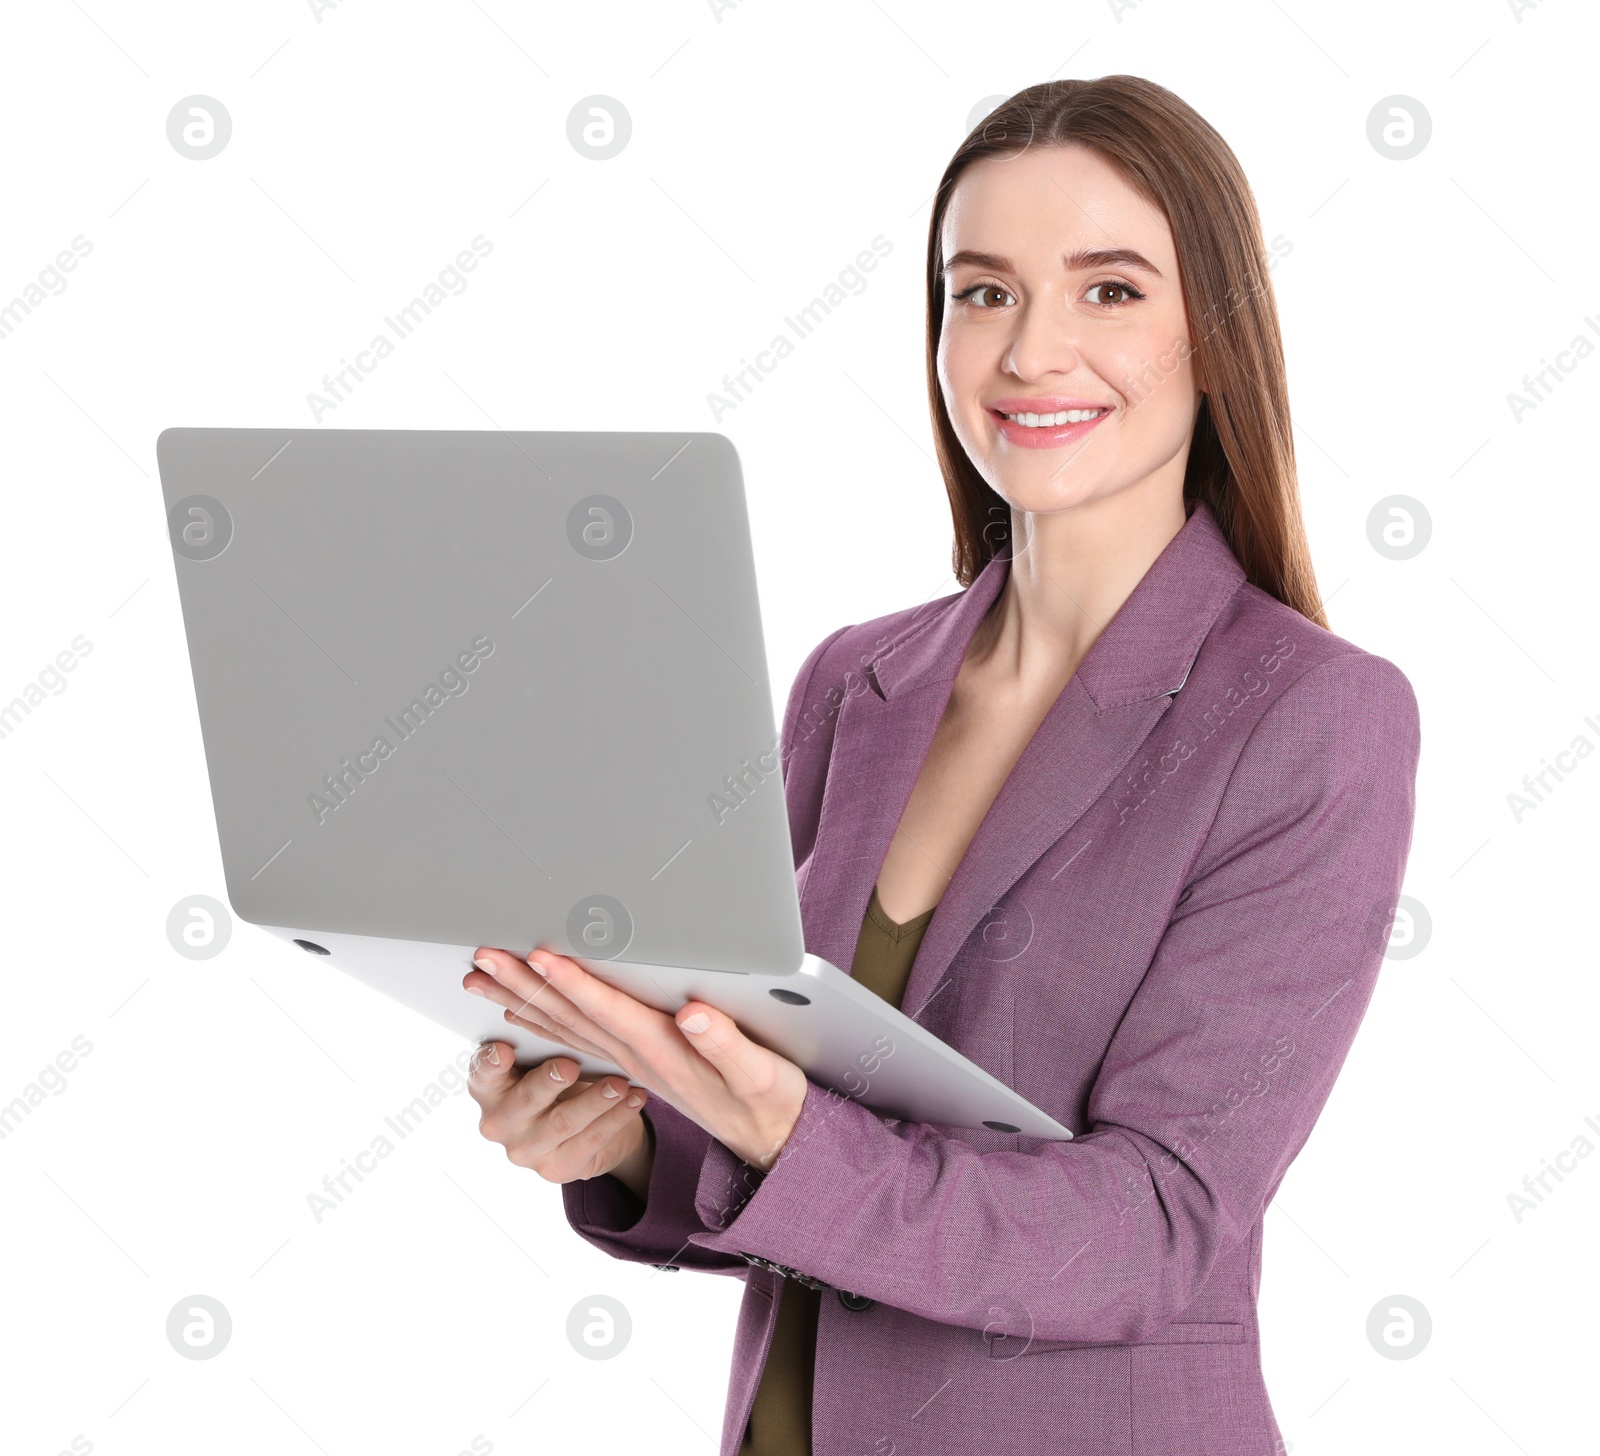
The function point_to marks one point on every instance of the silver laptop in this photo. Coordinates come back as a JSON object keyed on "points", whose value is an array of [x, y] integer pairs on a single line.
{"points": [[475, 687]]}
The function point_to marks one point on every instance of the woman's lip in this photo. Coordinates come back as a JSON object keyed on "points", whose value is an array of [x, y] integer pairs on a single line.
{"points": [[1046, 405], [1051, 438]]}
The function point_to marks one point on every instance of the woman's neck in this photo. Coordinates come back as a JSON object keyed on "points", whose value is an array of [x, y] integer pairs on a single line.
{"points": [[1070, 573]]}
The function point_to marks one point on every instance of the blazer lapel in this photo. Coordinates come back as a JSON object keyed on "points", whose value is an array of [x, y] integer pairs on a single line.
{"points": [[1122, 688], [879, 746], [1076, 754]]}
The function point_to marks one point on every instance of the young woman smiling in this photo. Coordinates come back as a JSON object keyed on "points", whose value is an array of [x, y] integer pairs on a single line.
{"points": [[1122, 821]]}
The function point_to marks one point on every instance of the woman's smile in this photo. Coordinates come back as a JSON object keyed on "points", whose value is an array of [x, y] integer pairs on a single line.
{"points": [[1045, 423]]}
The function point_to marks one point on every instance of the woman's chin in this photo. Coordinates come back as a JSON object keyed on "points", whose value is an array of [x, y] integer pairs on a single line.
{"points": [[1041, 497]]}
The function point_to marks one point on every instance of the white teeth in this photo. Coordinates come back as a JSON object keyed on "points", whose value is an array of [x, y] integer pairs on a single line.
{"points": [[1061, 417]]}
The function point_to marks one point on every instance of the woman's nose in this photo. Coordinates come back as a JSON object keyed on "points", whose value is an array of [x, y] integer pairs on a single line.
{"points": [[1045, 340]]}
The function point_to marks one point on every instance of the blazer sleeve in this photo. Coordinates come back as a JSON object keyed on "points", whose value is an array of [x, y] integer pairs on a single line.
{"points": [[604, 1210], [1210, 1085], [608, 1214]]}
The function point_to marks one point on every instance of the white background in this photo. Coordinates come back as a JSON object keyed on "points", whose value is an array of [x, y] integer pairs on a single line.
{"points": [[769, 146]]}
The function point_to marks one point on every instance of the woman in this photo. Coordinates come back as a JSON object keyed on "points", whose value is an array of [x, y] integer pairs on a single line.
{"points": [[1130, 817]]}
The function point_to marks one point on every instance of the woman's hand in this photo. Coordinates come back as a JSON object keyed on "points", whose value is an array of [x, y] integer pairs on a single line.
{"points": [[562, 1127], [747, 1097]]}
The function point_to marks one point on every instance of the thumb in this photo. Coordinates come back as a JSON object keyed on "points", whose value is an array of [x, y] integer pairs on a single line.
{"points": [[715, 1036], [492, 1071]]}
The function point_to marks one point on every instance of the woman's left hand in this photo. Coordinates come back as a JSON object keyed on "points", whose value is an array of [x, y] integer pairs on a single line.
{"points": [[740, 1092]]}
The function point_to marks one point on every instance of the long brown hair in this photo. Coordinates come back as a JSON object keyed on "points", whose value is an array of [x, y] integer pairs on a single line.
{"points": [[1241, 458]]}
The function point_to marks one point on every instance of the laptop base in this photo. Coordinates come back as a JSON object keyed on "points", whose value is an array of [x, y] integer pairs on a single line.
{"points": [[843, 1035]]}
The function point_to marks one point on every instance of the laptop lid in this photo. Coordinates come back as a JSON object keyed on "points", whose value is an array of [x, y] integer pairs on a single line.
{"points": [[485, 687]]}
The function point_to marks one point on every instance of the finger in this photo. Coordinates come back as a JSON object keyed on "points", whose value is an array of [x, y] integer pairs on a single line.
{"points": [[512, 1099], [743, 1064], [493, 1072], [534, 1123], [573, 1140], [516, 985], [491, 1081], [599, 1010], [534, 1015], [490, 990], [644, 1043], [540, 1027], [509, 985]]}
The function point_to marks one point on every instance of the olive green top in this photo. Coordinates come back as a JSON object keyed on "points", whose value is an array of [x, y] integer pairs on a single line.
{"points": [[780, 1420]]}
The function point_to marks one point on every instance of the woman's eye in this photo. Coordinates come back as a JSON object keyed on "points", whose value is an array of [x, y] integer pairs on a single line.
{"points": [[1125, 291], [979, 290]]}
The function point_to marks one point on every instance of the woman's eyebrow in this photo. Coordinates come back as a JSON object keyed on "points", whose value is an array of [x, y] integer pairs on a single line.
{"points": [[1081, 261]]}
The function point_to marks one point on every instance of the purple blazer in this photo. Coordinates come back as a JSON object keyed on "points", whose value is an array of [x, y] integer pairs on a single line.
{"points": [[1165, 933]]}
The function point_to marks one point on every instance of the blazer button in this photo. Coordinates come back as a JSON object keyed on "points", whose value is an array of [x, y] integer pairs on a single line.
{"points": [[855, 1302]]}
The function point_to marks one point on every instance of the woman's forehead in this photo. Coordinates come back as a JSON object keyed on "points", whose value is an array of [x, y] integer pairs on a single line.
{"points": [[1053, 200]]}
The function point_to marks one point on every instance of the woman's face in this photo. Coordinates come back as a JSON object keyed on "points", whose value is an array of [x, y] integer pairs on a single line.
{"points": [[1062, 294]]}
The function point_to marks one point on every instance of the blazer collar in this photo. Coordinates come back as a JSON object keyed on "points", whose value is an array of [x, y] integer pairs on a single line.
{"points": [[1145, 651], [1122, 688]]}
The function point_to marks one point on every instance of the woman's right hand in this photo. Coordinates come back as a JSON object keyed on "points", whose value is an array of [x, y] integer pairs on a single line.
{"points": [[563, 1128]]}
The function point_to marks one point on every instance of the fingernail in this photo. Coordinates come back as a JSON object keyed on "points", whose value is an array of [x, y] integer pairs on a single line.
{"points": [[538, 970], [698, 1022], [609, 1091], [490, 1054], [635, 1100], [555, 1075], [477, 990], [483, 963]]}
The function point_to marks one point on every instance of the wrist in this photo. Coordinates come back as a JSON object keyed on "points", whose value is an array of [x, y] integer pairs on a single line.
{"points": [[776, 1138], [633, 1169]]}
